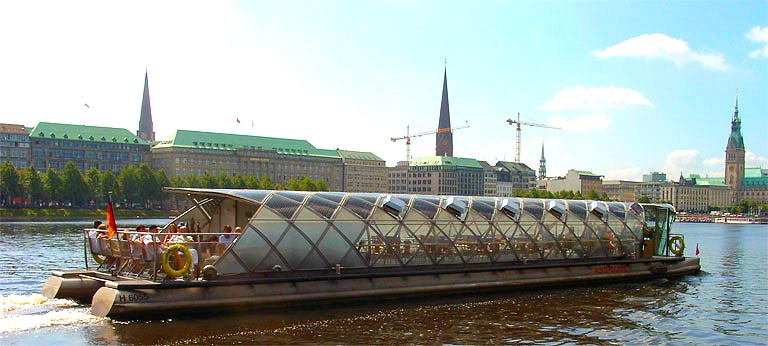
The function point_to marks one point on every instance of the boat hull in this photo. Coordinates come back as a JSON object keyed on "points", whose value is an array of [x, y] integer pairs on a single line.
{"points": [[142, 299]]}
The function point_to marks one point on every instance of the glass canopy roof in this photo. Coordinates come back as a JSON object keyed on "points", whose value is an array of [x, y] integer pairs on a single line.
{"points": [[319, 231]]}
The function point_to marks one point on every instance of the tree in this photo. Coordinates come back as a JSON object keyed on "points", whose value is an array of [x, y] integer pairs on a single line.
{"points": [[162, 180], [178, 181], [74, 187], [592, 195], [148, 188], [224, 181], [108, 183], [129, 185], [644, 199], [208, 181], [193, 181], [9, 182], [321, 185], [53, 185], [238, 182], [265, 183], [33, 184], [252, 182], [93, 179]]}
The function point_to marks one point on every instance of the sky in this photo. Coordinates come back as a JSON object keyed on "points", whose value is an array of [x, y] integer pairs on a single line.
{"points": [[635, 86]]}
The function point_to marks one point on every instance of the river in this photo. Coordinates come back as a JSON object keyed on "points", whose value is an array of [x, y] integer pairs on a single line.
{"points": [[726, 304]]}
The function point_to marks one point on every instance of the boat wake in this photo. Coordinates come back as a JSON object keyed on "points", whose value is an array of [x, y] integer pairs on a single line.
{"points": [[27, 312]]}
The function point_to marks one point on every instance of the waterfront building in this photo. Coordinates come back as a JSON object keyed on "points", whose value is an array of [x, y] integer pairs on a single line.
{"points": [[754, 185], [651, 189], [621, 190], [195, 152], [696, 194], [14, 145], [444, 137], [576, 181], [398, 177], [489, 179], [542, 164], [363, 172], [439, 175], [105, 148], [654, 177], [513, 176], [146, 130]]}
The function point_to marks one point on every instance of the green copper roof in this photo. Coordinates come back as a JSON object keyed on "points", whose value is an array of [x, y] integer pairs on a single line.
{"points": [[714, 181], [85, 133], [225, 141], [587, 173], [446, 161], [358, 155], [753, 173]]}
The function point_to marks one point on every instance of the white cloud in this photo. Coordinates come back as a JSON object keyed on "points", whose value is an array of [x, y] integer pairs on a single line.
{"points": [[597, 98], [715, 161], [760, 35], [630, 173], [681, 161], [752, 160], [586, 123], [660, 46]]}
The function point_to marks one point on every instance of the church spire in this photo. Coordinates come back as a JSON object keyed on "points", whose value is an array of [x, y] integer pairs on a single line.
{"points": [[542, 164], [146, 131], [444, 140]]}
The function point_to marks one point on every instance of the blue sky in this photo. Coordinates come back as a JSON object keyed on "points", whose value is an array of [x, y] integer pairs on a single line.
{"points": [[635, 86]]}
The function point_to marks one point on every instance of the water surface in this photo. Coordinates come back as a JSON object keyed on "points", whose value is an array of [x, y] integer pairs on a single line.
{"points": [[726, 304]]}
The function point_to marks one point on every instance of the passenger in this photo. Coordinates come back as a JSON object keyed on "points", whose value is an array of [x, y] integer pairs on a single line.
{"points": [[172, 230], [138, 237], [225, 239]]}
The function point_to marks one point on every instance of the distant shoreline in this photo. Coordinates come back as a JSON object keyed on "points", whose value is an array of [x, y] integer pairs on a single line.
{"points": [[26, 214]]}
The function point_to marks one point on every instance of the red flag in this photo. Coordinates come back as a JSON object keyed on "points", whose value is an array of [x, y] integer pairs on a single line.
{"points": [[238, 120], [111, 221], [697, 249]]}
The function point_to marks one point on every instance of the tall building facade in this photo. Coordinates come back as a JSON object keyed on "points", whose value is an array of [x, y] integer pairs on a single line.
{"points": [[104, 148], [439, 175], [363, 172], [146, 130], [513, 176], [14, 145], [577, 181], [444, 138], [280, 159]]}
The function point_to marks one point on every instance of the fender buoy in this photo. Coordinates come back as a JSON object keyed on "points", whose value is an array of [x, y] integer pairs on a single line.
{"points": [[98, 258], [676, 245], [167, 257], [101, 259]]}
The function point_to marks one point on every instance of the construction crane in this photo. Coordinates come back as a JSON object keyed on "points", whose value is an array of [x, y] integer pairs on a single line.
{"points": [[518, 122], [408, 137]]}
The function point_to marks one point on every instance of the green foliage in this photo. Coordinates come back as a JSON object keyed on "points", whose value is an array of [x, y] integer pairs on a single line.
{"points": [[644, 199], [33, 184], [9, 182], [53, 185], [128, 180], [74, 189]]}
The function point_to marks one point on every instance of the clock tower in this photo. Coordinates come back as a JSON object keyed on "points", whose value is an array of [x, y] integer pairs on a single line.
{"points": [[734, 155]]}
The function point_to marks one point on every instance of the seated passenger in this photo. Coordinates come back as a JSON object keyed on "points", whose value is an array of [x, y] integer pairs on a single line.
{"points": [[137, 237], [227, 238]]}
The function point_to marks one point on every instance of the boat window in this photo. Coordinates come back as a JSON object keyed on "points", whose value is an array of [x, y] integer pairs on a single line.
{"points": [[282, 205], [254, 195], [360, 207], [534, 207], [483, 207], [662, 230], [428, 207], [322, 206]]}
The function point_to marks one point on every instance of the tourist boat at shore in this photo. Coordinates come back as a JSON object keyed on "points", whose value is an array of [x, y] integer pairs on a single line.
{"points": [[740, 220], [315, 247]]}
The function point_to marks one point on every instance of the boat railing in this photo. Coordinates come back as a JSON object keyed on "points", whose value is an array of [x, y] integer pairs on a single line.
{"points": [[132, 253]]}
